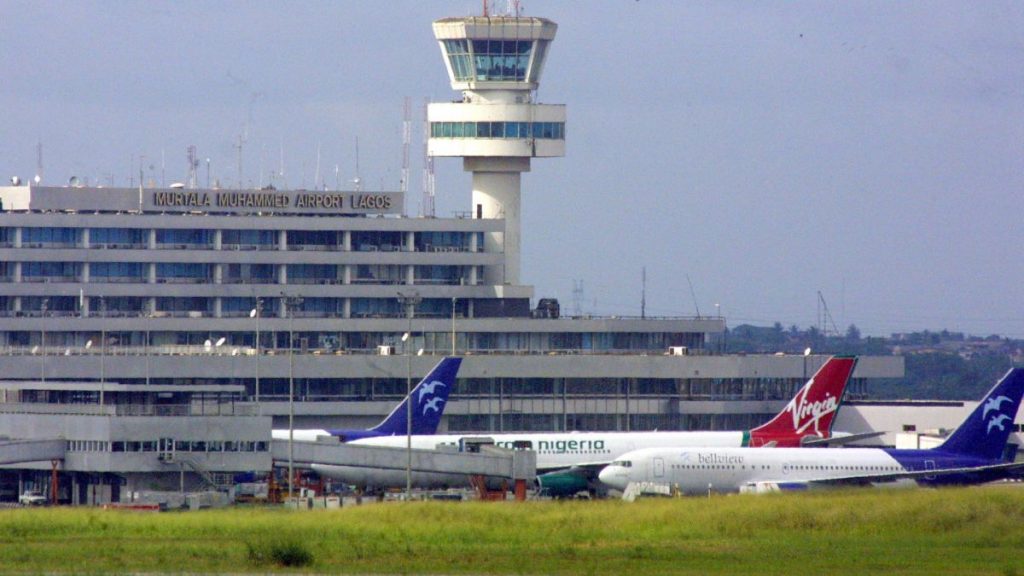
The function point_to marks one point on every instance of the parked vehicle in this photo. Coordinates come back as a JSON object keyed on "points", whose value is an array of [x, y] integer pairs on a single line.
{"points": [[31, 498]]}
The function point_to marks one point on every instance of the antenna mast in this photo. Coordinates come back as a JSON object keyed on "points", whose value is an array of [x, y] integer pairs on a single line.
{"points": [[39, 162], [403, 185], [694, 296], [193, 165], [358, 181], [577, 297], [643, 292], [825, 316], [428, 166]]}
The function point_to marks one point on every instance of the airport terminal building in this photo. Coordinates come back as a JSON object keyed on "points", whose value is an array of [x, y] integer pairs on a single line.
{"points": [[266, 293]]}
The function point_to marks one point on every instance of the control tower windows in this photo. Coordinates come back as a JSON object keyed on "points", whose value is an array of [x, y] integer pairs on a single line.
{"points": [[501, 59], [505, 130], [489, 60]]}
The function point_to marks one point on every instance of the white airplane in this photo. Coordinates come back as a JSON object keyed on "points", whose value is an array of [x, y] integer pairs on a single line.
{"points": [[568, 462], [976, 452]]}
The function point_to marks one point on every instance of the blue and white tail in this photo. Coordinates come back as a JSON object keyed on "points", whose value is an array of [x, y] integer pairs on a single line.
{"points": [[985, 432], [429, 398]]}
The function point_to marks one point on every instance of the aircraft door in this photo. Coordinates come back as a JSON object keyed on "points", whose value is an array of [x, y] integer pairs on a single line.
{"points": [[929, 465], [659, 467]]}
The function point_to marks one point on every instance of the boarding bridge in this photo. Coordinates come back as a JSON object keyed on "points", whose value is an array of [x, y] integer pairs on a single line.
{"points": [[19, 451], [489, 461]]}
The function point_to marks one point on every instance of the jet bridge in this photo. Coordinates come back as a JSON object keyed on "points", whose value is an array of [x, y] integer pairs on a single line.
{"points": [[19, 451], [518, 466]]}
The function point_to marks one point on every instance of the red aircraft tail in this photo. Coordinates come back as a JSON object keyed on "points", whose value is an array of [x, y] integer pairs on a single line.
{"points": [[810, 413]]}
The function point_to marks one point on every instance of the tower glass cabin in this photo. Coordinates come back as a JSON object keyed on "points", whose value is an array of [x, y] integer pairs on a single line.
{"points": [[496, 62]]}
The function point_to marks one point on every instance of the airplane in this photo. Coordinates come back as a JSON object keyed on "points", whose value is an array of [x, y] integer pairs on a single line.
{"points": [[976, 452], [430, 397], [568, 462]]}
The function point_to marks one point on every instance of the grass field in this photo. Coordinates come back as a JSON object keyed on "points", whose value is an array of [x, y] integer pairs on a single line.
{"points": [[957, 531]]}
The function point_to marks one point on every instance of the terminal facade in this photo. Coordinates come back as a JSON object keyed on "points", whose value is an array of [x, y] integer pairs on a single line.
{"points": [[274, 292]]}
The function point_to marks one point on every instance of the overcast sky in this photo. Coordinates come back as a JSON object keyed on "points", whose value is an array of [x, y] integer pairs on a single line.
{"points": [[766, 151]]}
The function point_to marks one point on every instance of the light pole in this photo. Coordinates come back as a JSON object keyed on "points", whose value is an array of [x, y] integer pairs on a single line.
{"points": [[42, 340], [409, 302], [290, 304], [103, 348], [454, 300], [807, 352], [207, 173], [256, 313]]}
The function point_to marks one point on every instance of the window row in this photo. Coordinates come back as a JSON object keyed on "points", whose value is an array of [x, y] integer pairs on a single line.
{"points": [[539, 130], [360, 240], [192, 446], [489, 60], [195, 272]]}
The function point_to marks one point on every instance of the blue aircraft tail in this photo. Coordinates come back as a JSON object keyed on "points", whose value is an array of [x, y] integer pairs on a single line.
{"points": [[984, 433], [429, 399]]}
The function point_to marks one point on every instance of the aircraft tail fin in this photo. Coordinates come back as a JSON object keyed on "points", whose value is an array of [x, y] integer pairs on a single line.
{"points": [[985, 432], [811, 412], [428, 399]]}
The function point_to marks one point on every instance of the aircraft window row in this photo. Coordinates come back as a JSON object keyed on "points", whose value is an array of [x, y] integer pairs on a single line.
{"points": [[539, 130], [574, 451], [848, 468]]}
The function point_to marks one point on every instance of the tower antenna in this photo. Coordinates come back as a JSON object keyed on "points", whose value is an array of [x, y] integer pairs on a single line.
{"points": [[39, 163], [643, 292], [825, 316], [193, 166], [428, 165], [358, 181], [694, 296], [403, 185]]}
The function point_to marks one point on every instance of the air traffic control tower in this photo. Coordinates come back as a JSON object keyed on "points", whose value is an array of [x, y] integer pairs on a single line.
{"points": [[496, 62]]}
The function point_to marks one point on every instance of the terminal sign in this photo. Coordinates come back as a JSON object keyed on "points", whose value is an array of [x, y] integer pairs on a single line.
{"points": [[267, 200]]}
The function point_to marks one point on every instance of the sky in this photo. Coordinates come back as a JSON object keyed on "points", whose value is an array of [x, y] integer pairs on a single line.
{"points": [[755, 158]]}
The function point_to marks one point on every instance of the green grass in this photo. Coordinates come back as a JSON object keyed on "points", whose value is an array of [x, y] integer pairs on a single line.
{"points": [[962, 531]]}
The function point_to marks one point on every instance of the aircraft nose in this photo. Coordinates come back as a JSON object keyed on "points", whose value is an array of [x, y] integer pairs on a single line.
{"points": [[614, 476]]}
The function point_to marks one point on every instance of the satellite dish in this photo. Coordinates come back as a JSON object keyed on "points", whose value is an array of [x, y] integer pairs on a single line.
{"points": [[807, 352], [252, 313], [74, 182], [37, 179], [15, 181], [35, 349], [207, 345], [177, 186], [221, 341]]}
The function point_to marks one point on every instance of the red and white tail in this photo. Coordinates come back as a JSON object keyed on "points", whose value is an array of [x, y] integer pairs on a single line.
{"points": [[810, 413]]}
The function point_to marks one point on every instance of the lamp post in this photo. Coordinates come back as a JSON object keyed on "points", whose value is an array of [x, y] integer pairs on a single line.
{"points": [[103, 348], [42, 340], [454, 300], [409, 302], [807, 352], [256, 313], [290, 304]]}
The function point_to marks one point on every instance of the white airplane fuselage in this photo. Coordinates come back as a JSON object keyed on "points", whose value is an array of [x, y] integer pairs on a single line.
{"points": [[555, 451], [700, 470]]}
